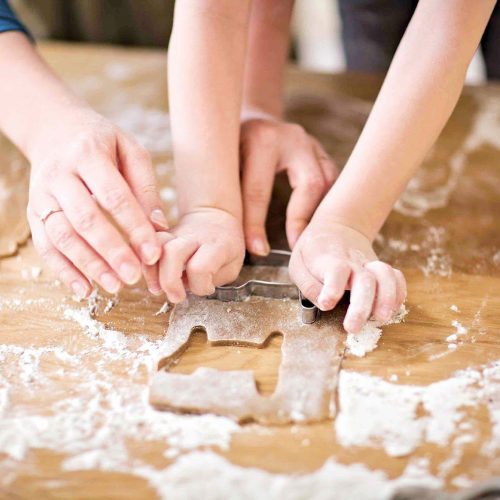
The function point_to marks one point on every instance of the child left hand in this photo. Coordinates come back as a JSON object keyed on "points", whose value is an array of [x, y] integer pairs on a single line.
{"points": [[204, 250]]}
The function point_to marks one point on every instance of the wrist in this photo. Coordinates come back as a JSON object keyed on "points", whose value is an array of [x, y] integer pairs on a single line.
{"points": [[61, 124], [331, 213]]}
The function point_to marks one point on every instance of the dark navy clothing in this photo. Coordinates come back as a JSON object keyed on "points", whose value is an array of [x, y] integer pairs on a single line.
{"points": [[8, 20], [372, 30]]}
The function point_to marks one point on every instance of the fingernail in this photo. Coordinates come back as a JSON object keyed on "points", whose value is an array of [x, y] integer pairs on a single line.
{"points": [[110, 283], [150, 253], [158, 217], [129, 273], [79, 289], [260, 247], [155, 289]]}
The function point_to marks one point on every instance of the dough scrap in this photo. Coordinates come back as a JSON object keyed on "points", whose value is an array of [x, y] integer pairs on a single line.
{"points": [[307, 378], [14, 180]]}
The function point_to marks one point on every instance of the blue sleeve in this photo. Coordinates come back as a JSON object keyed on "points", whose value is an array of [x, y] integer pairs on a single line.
{"points": [[8, 20]]}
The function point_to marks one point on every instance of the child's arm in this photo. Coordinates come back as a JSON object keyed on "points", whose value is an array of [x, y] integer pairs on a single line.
{"points": [[269, 145], [75, 153], [206, 59], [417, 98]]}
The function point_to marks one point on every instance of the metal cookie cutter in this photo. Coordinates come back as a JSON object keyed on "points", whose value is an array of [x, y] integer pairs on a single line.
{"points": [[271, 289]]}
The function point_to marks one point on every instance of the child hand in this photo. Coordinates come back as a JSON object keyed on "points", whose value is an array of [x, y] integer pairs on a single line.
{"points": [[204, 250], [84, 169], [331, 258], [269, 146]]}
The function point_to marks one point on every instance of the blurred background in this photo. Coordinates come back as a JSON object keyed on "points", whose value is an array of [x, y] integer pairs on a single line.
{"points": [[316, 32]]}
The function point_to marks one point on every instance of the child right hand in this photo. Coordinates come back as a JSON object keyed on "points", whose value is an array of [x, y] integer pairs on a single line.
{"points": [[203, 250], [330, 258]]}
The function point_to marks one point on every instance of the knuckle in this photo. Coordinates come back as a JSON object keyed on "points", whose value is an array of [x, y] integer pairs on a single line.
{"points": [[45, 252], [149, 190], [314, 183], [310, 290], [143, 154], [62, 237], [265, 134], [115, 200], [296, 129], [196, 269], [116, 255], [85, 220], [255, 195], [93, 267], [52, 172]]}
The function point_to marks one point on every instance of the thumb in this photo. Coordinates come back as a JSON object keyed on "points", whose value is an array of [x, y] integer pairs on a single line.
{"points": [[257, 185]]}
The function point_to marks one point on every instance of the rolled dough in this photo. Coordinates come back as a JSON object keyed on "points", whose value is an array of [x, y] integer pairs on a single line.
{"points": [[307, 377]]}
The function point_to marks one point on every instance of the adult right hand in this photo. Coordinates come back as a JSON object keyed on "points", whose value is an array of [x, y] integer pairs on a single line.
{"points": [[93, 203]]}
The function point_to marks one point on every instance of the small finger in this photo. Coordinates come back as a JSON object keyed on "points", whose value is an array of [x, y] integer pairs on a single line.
{"points": [[362, 297], [75, 249], [203, 266], [59, 264], [152, 273], [305, 281], [137, 168], [176, 254], [386, 294], [336, 276], [308, 188], [401, 289]]}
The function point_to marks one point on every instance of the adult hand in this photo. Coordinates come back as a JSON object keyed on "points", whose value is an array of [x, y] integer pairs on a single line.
{"points": [[93, 203]]}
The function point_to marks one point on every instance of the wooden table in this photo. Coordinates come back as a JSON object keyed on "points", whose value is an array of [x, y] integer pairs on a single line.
{"points": [[445, 235]]}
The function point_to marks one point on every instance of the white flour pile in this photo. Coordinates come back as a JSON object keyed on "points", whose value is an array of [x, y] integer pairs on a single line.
{"points": [[359, 344], [374, 412]]}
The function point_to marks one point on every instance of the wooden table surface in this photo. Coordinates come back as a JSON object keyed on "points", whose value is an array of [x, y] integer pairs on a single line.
{"points": [[444, 234]]}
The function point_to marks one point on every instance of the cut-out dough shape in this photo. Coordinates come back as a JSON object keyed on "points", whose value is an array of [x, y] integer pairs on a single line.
{"points": [[307, 378]]}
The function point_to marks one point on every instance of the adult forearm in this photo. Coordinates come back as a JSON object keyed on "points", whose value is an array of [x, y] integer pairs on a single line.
{"points": [[205, 88], [31, 95], [268, 42], [417, 98]]}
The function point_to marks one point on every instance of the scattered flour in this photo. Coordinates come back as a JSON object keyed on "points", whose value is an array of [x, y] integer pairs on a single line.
{"points": [[454, 308], [438, 261], [374, 412], [93, 410], [461, 330], [209, 476], [358, 344], [418, 198]]}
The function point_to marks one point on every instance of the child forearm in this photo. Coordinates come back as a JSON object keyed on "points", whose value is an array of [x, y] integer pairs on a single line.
{"points": [[267, 53], [420, 91], [205, 109]]}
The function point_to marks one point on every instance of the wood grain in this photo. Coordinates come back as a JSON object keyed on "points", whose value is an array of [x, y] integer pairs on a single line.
{"points": [[449, 255]]}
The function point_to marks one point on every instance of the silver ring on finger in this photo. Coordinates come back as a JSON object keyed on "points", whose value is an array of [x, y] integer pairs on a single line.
{"points": [[47, 213]]}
